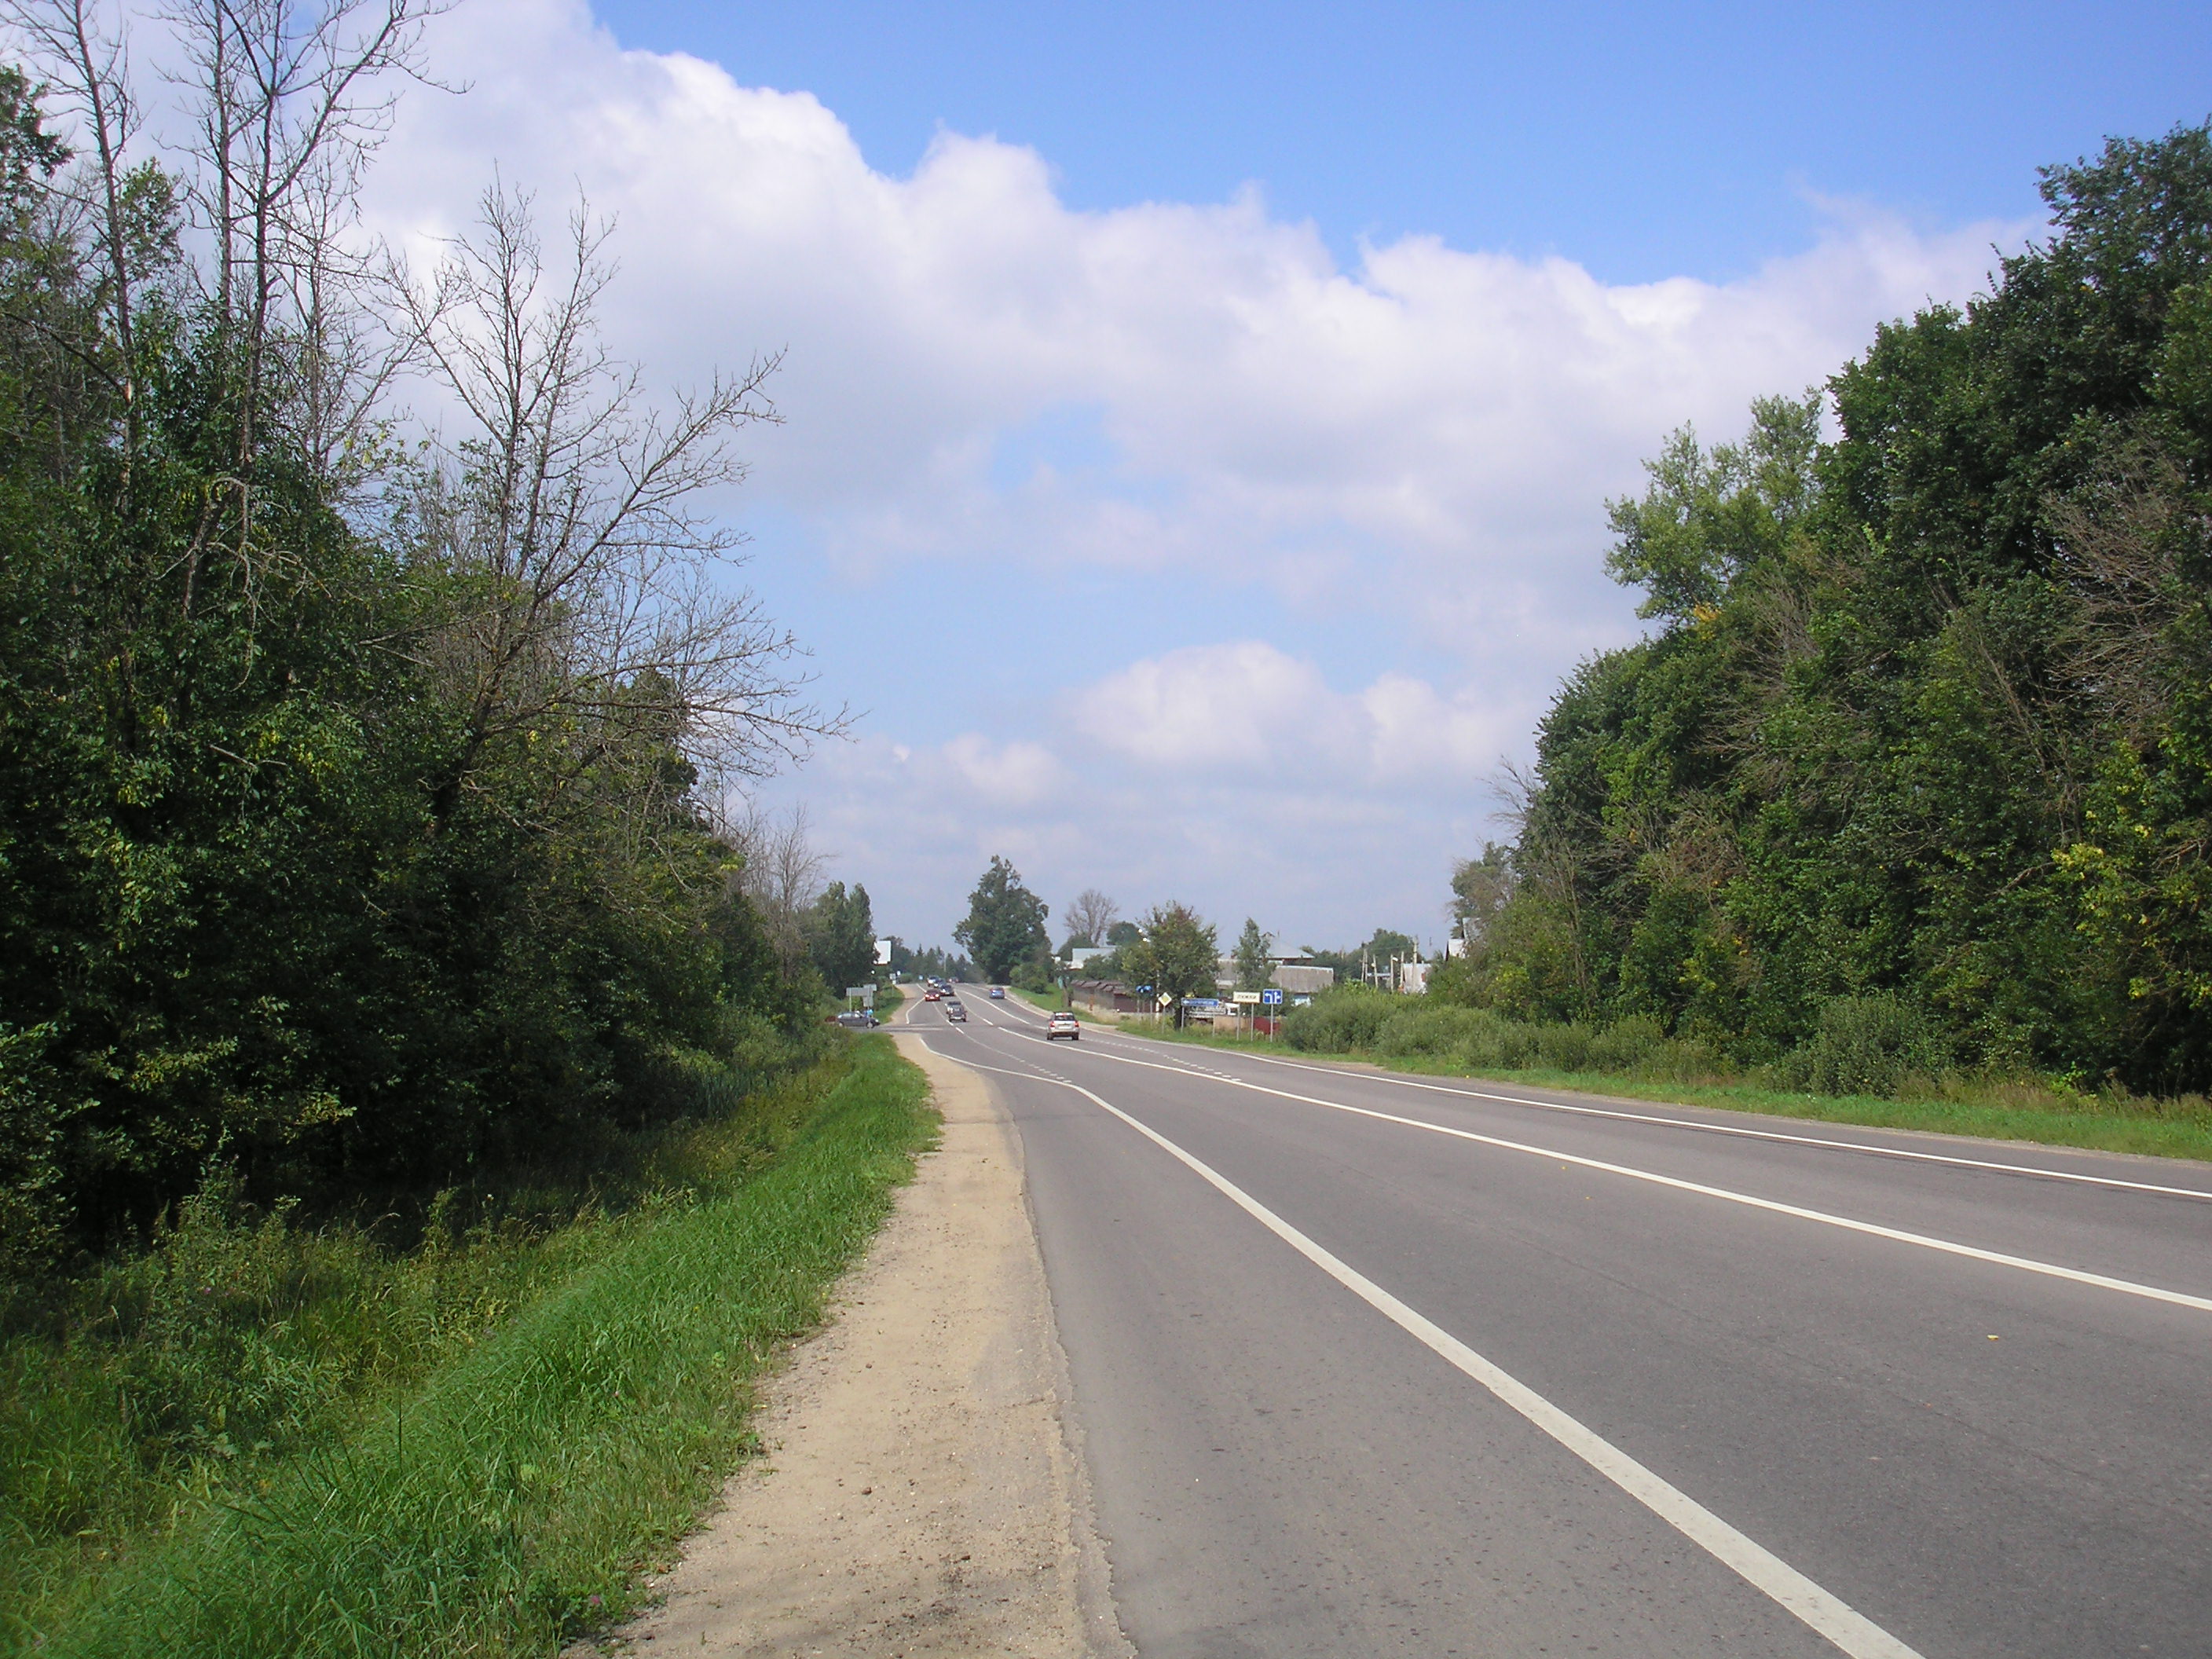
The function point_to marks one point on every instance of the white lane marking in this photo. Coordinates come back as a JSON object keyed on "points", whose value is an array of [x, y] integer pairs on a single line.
{"points": [[1872, 1230], [1759, 1566], [1702, 1127]]}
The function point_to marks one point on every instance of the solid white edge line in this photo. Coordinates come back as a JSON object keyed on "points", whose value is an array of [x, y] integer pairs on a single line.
{"points": [[1700, 1126], [1871, 1229], [1827, 1614]]}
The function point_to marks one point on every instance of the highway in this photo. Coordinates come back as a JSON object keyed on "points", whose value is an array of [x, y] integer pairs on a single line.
{"points": [[1369, 1365]]}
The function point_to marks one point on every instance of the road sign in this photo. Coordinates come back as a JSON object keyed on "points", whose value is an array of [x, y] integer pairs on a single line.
{"points": [[864, 994], [1249, 999], [1273, 998], [1167, 999]]}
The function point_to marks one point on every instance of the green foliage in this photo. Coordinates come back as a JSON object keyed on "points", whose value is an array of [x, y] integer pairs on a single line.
{"points": [[1343, 1021], [1177, 956], [1005, 925], [298, 874], [844, 935], [1917, 770], [1255, 964], [325, 1447]]}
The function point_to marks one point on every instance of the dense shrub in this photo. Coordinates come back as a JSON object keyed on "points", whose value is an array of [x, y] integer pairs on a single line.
{"points": [[1866, 1045], [1355, 1019], [1342, 1021]]}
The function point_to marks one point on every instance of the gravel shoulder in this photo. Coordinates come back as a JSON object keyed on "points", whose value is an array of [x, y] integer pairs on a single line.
{"points": [[921, 1492]]}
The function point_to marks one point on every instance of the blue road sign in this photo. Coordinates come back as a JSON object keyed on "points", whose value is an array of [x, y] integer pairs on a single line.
{"points": [[1274, 999]]}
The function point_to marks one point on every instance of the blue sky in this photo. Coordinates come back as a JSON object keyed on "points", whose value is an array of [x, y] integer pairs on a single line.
{"points": [[1198, 419], [1642, 141]]}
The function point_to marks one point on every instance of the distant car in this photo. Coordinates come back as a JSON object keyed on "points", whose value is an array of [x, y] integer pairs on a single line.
{"points": [[998, 993], [859, 1019], [1065, 1025], [954, 1011], [931, 994]]}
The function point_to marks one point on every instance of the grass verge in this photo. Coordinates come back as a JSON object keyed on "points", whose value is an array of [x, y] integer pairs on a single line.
{"points": [[1993, 1109], [1051, 1002], [510, 1499]]}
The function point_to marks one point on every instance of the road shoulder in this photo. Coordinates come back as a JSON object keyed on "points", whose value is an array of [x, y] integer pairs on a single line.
{"points": [[920, 1493]]}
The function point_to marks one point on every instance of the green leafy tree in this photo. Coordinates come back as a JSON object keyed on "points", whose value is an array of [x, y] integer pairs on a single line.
{"points": [[1925, 727], [1178, 955], [1255, 963], [1005, 925], [841, 933]]}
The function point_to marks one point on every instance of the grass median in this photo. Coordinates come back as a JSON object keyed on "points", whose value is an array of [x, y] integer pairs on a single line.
{"points": [[511, 1497]]}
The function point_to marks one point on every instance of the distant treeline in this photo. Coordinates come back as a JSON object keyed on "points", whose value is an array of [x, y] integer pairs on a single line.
{"points": [[353, 822], [1922, 742]]}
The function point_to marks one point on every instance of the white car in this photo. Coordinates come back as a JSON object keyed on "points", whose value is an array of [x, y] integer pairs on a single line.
{"points": [[1065, 1025]]}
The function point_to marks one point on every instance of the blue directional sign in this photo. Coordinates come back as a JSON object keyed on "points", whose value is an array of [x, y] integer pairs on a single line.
{"points": [[1274, 999]]}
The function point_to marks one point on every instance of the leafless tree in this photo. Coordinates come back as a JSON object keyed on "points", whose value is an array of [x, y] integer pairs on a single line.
{"points": [[2121, 542], [779, 871], [290, 99], [83, 51], [287, 98], [573, 515], [1090, 915]]}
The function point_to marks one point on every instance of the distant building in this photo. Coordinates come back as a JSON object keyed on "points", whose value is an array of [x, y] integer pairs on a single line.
{"points": [[1290, 973], [1303, 977], [1413, 978], [1108, 993], [1081, 955]]}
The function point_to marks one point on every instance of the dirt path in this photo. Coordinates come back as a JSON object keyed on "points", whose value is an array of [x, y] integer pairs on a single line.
{"points": [[921, 1494]]}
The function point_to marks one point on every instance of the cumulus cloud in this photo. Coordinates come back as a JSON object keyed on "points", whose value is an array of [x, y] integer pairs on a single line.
{"points": [[1197, 392], [1248, 709], [1436, 421]]}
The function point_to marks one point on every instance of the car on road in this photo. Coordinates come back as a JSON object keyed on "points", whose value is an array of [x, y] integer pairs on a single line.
{"points": [[859, 1019], [954, 1011], [1064, 1025], [998, 993], [931, 994]]}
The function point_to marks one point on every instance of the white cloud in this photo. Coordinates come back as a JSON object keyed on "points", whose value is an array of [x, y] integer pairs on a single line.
{"points": [[1249, 710], [1436, 421], [1417, 447], [1004, 774]]}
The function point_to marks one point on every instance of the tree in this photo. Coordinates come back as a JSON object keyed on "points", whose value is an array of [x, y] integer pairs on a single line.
{"points": [[1122, 933], [1005, 926], [357, 794], [1255, 964], [1178, 955], [1481, 887], [1089, 917], [843, 934], [1924, 725]]}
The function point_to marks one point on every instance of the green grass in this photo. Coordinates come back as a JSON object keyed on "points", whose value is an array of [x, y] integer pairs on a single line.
{"points": [[585, 1394], [1051, 1002], [1995, 1109]]}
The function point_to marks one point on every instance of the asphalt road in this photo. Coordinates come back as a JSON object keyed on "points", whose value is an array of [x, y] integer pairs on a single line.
{"points": [[1365, 1365]]}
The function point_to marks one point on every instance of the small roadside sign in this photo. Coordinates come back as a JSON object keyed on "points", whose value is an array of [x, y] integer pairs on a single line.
{"points": [[1273, 998], [1249, 999], [863, 994], [1167, 999]]}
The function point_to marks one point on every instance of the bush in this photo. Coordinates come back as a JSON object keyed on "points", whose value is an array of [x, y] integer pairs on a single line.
{"points": [[1356, 1020], [1341, 1021], [1865, 1045]]}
